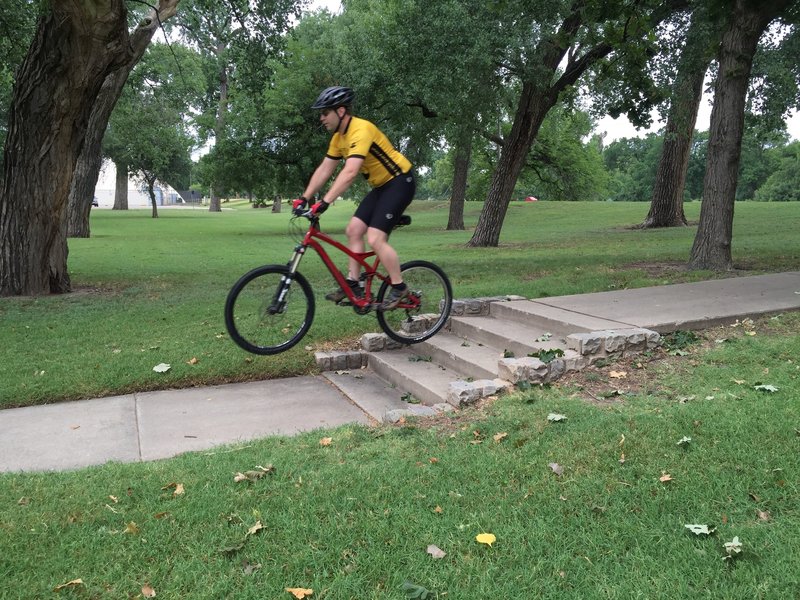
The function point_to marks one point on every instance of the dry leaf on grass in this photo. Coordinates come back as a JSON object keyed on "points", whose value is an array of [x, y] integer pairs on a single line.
{"points": [[498, 437], [177, 488], [300, 593], [254, 475], [485, 538], [325, 441], [69, 584], [436, 552], [255, 528], [665, 477], [557, 468], [131, 528], [618, 374], [148, 591]]}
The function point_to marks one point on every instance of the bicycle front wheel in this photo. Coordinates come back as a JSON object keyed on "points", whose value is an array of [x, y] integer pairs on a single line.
{"points": [[432, 295], [267, 312]]}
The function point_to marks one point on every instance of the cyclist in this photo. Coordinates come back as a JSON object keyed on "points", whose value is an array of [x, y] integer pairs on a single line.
{"points": [[366, 150]]}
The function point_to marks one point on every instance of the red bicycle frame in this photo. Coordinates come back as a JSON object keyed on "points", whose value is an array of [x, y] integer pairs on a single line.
{"points": [[312, 239]]}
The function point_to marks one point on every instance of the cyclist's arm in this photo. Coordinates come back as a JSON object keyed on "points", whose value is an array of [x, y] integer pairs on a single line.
{"points": [[320, 176], [344, 180]]}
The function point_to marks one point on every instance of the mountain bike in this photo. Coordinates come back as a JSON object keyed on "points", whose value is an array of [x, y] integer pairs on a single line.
{"points": [[271, 308]]}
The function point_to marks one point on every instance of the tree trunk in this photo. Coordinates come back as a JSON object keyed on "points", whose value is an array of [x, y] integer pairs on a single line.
{"points": [[152, 193], [276, 203], [75, 47], [87, 170], [712, 243], [531, 110], [121, 188], [219, 131], [463, 153], [666, 206]]}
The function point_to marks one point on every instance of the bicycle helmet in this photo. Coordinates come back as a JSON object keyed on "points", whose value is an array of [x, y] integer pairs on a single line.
{"points": [[334, 97]]}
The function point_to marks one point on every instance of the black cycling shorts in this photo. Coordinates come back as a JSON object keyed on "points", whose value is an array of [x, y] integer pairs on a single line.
{"points": [[384, 205]]}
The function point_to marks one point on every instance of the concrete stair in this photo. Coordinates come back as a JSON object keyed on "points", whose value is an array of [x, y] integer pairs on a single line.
{"points": [[478, 354]]}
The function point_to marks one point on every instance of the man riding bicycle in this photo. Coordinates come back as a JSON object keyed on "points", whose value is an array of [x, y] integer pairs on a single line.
{"points": [[364, 149]]}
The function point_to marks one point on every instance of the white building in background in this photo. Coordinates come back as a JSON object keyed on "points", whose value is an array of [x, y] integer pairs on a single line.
{"points": [[137, 195]]}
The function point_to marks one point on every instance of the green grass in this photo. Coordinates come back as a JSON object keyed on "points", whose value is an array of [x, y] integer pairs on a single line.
{"points": [[353, 519], [149, 291]]}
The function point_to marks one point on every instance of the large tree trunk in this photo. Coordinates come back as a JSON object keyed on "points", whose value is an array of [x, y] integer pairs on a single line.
{"points": [[121, 187], [87, 170], [712, 243], [462, 155], [666, 206], [152, 193], [531, 110], [75, 47], [219, 131]]}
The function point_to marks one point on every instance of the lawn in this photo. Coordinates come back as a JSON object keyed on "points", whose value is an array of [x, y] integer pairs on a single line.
{"points": [[593, 505], [151, 291]]}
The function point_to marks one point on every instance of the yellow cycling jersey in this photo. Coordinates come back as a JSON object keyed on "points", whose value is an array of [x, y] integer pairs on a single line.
{"points": [[363, 139]]}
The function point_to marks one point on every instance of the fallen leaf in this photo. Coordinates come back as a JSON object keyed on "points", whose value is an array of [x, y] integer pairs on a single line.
{"points": [[148, 591], [160, 515], [733, 548], [162, 368], [254, 475], [665, 477], [485, 538], [300, 593], [114, 499], [555, 417], [557, 468], [497, 437], [131, 528], [684, 441], [436, 552], [618, 374], [24, 501], [622, 459], [762, 515], [739, 381], [438, 510], [255, 528], [325, 441], [700, 529], [177, 488], [192, 361], [622, 439], [73, 583], [766, 388], [433, 460]]}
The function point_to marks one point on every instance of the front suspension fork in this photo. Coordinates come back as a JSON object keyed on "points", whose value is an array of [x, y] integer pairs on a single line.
{"points": [[279, 301]]}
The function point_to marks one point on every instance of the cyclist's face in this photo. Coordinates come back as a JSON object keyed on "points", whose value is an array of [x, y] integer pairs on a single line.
{"points": [[330, 118]]}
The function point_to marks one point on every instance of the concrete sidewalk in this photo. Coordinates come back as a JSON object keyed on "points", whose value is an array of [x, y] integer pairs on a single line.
{"points": [[154, 425]]}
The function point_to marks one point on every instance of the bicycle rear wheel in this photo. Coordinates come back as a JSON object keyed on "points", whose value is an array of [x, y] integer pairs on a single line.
{"points": [[431, 291], [265, 314]]}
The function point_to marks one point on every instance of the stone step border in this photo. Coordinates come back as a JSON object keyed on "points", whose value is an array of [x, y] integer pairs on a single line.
{"points": [[583, 349]]}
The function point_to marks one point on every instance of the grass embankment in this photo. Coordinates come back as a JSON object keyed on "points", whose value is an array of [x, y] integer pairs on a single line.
{"points": [[353, 517], [151, 291]]}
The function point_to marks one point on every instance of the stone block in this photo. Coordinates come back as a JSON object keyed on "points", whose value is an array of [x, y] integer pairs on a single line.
{"points": [[574, 361], [585, 343], [324, 361], [555, 369], [339, 361], [419, 410], [613, 341], [356, 360], [373, 342], [395, 415], [474, 307], [462, 393], [457, 308], [527, 368]]}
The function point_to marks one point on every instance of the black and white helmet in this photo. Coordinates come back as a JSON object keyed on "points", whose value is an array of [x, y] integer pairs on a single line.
{"points": [[334, 97]]}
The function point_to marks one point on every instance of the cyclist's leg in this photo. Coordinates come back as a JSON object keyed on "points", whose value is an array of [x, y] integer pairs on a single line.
{"points": [[355, 231], [393, 199]]}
